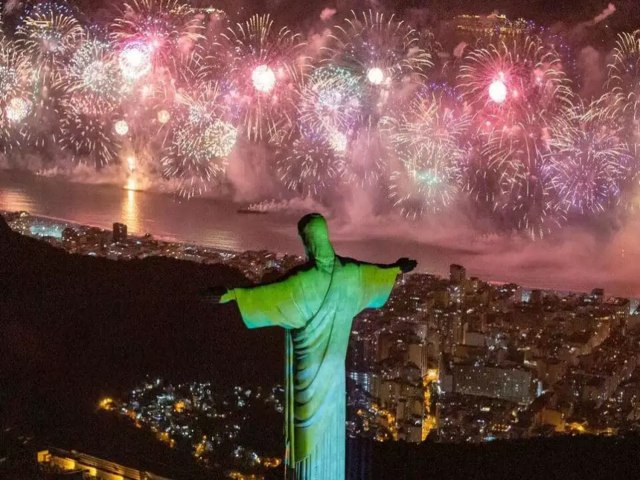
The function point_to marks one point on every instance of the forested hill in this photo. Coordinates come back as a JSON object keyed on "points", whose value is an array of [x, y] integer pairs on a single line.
{"points": [[75, 328]]}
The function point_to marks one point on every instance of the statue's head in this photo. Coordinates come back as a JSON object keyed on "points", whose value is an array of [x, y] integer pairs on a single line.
{"points": [[315, 235]]}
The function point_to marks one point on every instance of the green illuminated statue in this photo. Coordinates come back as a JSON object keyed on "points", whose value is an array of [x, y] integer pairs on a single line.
{"points": [[316, 304]]}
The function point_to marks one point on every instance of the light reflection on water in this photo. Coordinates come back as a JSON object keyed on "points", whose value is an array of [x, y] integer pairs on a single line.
{"points": [[130, 215], [15, 200], [202, 221]]}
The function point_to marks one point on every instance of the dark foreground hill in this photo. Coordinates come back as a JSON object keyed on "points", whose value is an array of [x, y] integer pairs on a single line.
{"points": [[559, 458], [75, 328]]}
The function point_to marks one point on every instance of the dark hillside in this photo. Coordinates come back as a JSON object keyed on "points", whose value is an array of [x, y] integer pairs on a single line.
{"points": [[75, 328]]}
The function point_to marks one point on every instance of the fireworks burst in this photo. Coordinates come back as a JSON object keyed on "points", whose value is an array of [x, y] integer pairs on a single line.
{"points": [[93, 69], [15, 105], [427, 182], [121, 127], [429, 137], [330, 105], [379, 50], [381, 53], [368, 155], [589, 160], [14, 72], [163, 116], [263, 78], [196, 151], [502, 132], [265, 68], [623, 82], [435, 115], [49, 33], [135, 61], [86, 131], [498, 89], [370, 55], [524, 197], [17, 109], [310, 165], [40, 117], [164, 33], [506, 82]]}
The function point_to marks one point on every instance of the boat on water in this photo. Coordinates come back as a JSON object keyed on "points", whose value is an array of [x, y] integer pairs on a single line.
{"points": [[251, 210]]}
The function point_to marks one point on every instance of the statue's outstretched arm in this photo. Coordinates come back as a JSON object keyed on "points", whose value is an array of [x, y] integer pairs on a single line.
{"points": [[216, 295], [270, 305], [377, 281], [404, 264]]}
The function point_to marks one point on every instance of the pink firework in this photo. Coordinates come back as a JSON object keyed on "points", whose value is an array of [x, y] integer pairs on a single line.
{"points": [[589, 159], [265, 68]]}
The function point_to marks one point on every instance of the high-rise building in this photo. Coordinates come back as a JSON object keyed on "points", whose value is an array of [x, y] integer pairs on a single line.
{"points": [[119, 232], [411, 431], [597, 294], [357, 358], [537, 296], [364, 380], [417, 354], [451, 328], [457, 273], [472, 337], [386, 342], [513, 384]]}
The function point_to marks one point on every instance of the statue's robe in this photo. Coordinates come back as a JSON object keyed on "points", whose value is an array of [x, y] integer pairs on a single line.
{"points": [[316, 306]]}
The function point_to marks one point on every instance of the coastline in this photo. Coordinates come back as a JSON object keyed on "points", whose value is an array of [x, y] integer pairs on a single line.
{"points": [[231, 253], [575, 261]]}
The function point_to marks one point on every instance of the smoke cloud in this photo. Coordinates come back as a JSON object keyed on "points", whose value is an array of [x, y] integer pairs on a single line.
{"points": [[459, 50], [591, 65], [12, 6], [610, 10], [250, 174], [327, 14]]}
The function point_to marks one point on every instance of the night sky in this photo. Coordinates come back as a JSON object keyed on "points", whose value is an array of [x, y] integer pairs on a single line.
{"points": [[542, 11]]}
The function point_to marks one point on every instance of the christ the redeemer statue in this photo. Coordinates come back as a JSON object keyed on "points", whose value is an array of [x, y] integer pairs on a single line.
{"points": [[315, 304]]}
